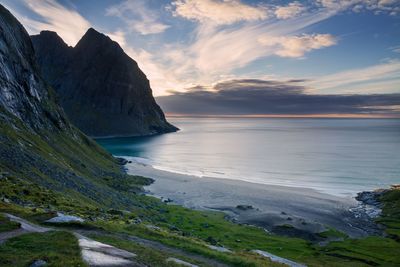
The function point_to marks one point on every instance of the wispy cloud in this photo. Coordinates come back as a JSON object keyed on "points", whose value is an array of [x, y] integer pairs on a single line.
{"points": [[373, 78], [290, 11], [297, 46], [218, 12], [391, 7], [66, 21], [228, 36], [138, 16]]}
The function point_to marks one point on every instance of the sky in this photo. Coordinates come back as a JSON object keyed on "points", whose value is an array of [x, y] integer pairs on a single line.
{"points": [[246, 56]]}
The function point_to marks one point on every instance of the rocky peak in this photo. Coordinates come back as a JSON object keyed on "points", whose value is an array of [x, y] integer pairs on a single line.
{"points": [[102, 90], [94, 39]]}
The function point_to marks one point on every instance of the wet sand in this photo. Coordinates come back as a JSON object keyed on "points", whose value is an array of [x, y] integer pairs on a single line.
{"points": [[272, 207]]}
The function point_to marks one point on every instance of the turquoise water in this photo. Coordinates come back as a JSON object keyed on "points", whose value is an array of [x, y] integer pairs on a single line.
{"points": [[337, 156]]}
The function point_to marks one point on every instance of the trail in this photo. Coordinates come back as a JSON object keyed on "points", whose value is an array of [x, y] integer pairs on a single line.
{"points": [[95, 254]]}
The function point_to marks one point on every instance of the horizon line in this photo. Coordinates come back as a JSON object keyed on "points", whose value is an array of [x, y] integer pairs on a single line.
{"points": [[333, 116]]}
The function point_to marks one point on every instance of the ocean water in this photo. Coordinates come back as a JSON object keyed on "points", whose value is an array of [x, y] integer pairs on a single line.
{"points": [[336, 156]]}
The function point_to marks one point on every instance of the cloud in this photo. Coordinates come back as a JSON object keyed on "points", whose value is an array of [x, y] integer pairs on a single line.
{"points": [[252, 96], [290, 11], [119, 37], [357, 80], [297, 46], [67, 22], [391, 7], [395, 49], [138, 17], [218, 12]]}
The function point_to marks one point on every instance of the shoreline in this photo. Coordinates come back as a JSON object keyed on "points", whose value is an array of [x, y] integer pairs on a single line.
{"points": [[291, 211]]}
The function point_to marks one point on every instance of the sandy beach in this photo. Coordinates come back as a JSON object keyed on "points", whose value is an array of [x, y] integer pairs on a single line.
{"points": [[305, 211]]}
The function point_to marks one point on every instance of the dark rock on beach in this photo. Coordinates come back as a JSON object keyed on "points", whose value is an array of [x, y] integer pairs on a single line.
{"points": [[371, 197], [244, 207]]}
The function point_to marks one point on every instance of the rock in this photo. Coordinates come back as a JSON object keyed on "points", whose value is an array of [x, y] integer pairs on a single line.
{"points": [[62, 218], [102, 90], [152, 227], [137, 221], [173, 228], [219, 249], [122, 161], [244, 207], [180, 262], [168, 200], [370, 197], [38, 263], [212, 240], [278, 259]]}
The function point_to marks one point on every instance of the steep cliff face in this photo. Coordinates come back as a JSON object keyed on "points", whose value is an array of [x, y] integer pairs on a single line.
{"points": [[37, 142], [23, 92], [102, 90]]}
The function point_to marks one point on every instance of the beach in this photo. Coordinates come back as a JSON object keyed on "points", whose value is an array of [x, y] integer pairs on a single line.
{"points": [[293, 211]]}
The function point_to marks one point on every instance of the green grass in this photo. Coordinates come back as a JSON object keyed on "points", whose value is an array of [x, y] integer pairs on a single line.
{"points": [[56, 248], [332, 233], [7, 225], [391, 212], [191, 230], [65, 171]]}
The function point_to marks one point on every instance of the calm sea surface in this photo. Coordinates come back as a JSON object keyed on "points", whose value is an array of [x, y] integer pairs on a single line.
{"points": [[338, 156]]}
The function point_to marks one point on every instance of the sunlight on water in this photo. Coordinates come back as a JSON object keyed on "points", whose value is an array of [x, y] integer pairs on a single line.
{"points": [[339, 156]]}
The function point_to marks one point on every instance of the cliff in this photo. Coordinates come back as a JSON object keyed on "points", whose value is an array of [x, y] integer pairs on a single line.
{"points": [[102, 90], [38, 144]]}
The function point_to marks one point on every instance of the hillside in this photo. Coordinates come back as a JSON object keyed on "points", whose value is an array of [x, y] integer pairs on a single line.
{"points": [[50, 170]]}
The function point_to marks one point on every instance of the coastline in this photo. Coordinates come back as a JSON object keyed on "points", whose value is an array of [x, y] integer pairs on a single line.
{"points": [[292, 211]]}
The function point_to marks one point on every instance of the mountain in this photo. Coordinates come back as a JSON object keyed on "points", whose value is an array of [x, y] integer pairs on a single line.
{"points": [[38, 144], [102, 90]]}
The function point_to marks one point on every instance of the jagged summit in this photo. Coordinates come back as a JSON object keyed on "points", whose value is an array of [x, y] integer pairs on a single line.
{"points": [[94, 39], [102, 90]]}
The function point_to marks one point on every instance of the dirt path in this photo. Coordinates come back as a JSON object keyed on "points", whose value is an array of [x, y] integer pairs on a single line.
{"points": [[163, 248], [94, 253], [26, 227], [97, 254]]}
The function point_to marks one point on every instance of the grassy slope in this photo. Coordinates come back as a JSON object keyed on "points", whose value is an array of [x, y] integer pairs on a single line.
{"points": [[66, 162], [193, 230], [47, 172], [56, 248], [7, 225], [391, 212]]}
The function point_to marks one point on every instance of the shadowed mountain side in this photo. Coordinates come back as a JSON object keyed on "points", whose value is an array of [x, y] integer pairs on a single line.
{"points": [[102, 90], [37, 142]]}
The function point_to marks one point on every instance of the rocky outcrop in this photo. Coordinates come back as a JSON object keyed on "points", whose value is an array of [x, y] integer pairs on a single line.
{"points": [[23, 93], [38, 144], [102, 90]]}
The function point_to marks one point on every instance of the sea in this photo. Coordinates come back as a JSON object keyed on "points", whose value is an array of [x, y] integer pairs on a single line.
{"points": [[334, 156]]}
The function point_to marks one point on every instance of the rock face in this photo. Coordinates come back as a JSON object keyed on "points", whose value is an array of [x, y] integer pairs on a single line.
{"points": [[23, 93], [38, 144], [102, 90]]}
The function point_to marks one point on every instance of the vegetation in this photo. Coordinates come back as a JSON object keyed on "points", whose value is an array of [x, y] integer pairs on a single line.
{"points": [[57, 248], [391, 212], [7, 225], [77, 177], [193, 231]]}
